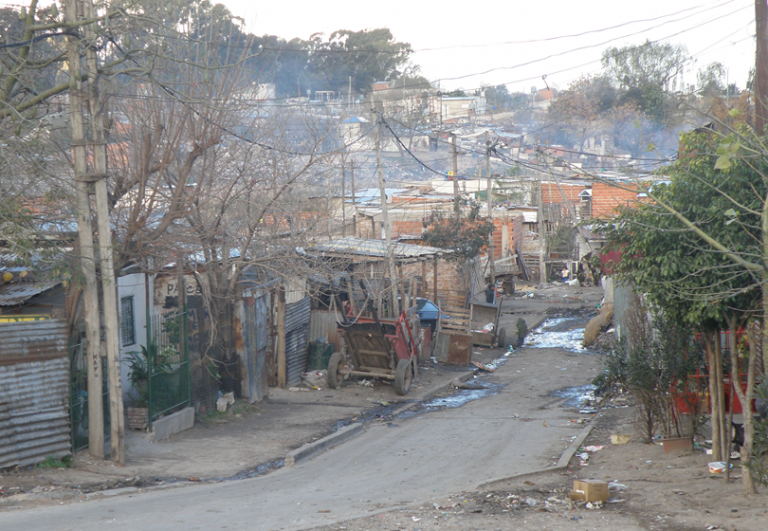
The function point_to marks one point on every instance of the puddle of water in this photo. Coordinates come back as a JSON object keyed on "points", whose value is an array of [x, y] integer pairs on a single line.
{"points": [[565, 333], [575, 397], [457, 399]]}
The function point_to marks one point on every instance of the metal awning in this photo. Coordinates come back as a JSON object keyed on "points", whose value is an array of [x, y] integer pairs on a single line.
{"points": [[354, 247], [20, 292]]}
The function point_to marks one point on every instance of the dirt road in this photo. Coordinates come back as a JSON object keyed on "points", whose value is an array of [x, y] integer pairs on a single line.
{"points": [[510, 426]]}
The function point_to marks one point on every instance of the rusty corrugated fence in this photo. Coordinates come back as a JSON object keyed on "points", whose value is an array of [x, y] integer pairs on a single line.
{"points": [[34, 392]]}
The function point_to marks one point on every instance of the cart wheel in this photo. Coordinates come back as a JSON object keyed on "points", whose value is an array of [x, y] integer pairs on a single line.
{"points": [[403, 374], [502, 340], [335, 378]]}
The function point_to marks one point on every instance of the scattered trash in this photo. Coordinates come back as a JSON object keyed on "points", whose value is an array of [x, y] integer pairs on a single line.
{"points": [[717, 467], [620, 500], [294, 390], [316, 379], [620, 438], [615, 487], [593, 448], [482, 367], [225, 400], [488, 328], [530, 502], [584, 456], [365, 383], [415, 519]]}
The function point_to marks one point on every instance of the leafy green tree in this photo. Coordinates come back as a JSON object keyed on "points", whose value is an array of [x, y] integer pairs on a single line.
{"points": [[697, 248]]}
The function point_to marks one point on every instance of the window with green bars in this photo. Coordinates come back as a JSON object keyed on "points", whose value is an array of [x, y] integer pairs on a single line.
{"points": [[127, 323]]}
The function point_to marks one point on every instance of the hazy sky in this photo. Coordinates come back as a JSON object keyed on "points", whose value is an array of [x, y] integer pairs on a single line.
{"points": [[466, 44]]}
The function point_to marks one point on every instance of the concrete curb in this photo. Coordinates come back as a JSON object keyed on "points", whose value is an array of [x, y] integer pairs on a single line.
{"points": [[562, 463], [348, 432], [329, 441]]}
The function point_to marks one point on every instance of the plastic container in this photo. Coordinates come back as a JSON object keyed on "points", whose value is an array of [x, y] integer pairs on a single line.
{"points": [[319, 356]]}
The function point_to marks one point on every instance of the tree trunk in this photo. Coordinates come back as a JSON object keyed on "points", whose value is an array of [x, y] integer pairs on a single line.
{"points": [[713, 395]]}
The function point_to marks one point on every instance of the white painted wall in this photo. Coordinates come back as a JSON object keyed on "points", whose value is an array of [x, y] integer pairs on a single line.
{"points": [[132, 285]]}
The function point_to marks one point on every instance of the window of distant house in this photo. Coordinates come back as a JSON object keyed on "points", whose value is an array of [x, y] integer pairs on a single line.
{"points": [[127, 324]]}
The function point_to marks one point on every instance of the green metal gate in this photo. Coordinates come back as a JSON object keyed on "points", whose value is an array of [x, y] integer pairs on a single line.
{"points": [[168, 369]]}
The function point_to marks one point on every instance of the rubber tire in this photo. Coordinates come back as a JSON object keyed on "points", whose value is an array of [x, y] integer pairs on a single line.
{"points": [[403, 375], [502, 338], [335, 378]]}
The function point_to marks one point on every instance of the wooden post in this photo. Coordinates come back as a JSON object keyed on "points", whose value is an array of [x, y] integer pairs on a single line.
{"points": [[542, 233], [434, 279], [422, 290], [387, 228], [354, 203], [491, 250], [456, 208], [107, 267], [761, 66], [87, 253], [282, 368], [403, 300], [343, 198]]}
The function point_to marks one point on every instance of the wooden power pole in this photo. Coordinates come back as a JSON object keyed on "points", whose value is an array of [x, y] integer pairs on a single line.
{"points": [[761, 66], [87, 183], [85, 239], [387, 227], [491, 250], [456, 208]]}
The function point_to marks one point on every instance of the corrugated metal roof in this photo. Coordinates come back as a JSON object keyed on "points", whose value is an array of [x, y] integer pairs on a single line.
{"points": [[376, 248], [20, 292]]}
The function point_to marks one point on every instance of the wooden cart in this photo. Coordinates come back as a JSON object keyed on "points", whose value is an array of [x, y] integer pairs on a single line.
{"points": [[377, 349], [482, 314]]}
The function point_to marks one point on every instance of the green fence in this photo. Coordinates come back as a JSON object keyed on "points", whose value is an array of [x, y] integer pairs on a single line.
{"points": [[168, 371]]}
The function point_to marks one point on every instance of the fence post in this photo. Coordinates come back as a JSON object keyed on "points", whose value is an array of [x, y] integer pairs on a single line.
{"points": [[185, 343], [149, 371]]}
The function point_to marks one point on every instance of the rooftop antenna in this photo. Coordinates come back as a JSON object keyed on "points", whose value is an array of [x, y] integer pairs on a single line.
{"points": [[544, 79]]}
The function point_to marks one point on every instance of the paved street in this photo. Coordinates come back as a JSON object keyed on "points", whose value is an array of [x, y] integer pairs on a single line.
{"points": [[409, 460]]}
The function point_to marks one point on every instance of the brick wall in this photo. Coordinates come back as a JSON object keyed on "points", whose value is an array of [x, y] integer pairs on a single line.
{"points": [[606, 199], [551, 194]]}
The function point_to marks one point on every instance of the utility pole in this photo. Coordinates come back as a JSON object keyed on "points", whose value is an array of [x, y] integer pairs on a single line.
{"points": [[456, 208], [107, 267], [542, 239], [343, 198], [354, 203], [491, 250], [761, 66], [87, 184], [387, 227], [349, 94], [85, 238]]}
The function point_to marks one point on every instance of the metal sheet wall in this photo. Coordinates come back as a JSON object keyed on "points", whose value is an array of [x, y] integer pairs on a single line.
{"points": [[325, 323], [36, 395], [32, 341], [296, 338], [256, 337], [34, 392]]}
